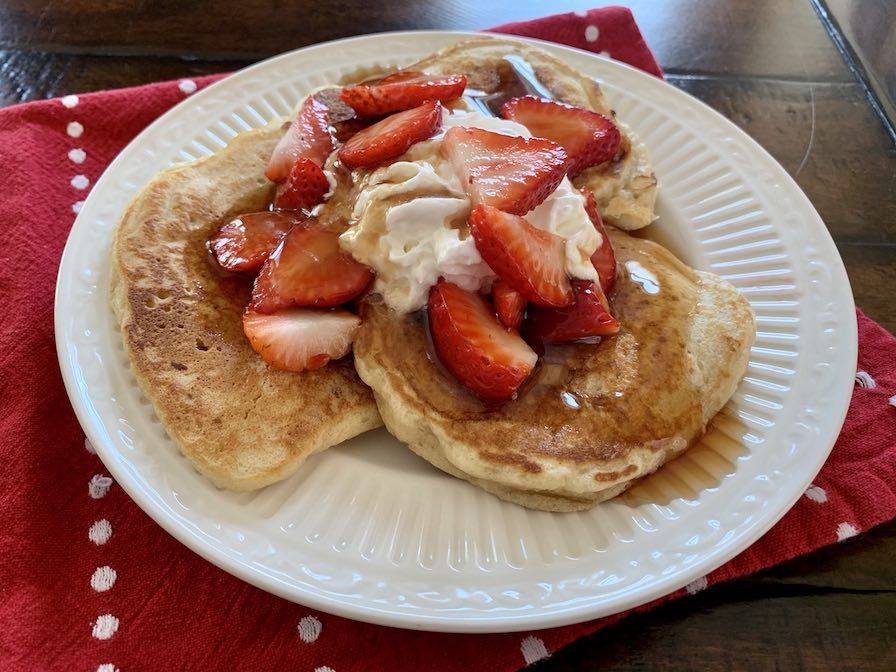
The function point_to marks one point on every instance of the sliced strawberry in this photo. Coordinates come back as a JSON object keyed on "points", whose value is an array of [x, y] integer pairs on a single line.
{"points": [[509, 304], [402, 91], [510, 173], [308, 136], [305, 187], [603, 259], [299, 338], [343, 120], [392, 136], [308, 268], [487, 359], [530, 260], [245, 243], [586, 318], [589, 138]]}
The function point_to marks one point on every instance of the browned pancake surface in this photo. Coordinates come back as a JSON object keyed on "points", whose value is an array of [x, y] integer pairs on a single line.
{"points": [[240, 422], [592, 417]]}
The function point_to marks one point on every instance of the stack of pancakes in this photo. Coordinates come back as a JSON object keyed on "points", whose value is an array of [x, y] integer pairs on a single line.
{"points": [[590, 421]]}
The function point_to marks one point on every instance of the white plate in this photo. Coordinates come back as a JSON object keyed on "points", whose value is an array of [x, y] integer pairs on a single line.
{"points": [[369, 531]]}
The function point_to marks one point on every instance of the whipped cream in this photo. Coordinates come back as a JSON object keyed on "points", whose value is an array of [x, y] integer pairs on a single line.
{"points": [[409, 222]]}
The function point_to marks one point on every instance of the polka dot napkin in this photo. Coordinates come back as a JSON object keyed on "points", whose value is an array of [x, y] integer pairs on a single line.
{"points": [[89, 582]]}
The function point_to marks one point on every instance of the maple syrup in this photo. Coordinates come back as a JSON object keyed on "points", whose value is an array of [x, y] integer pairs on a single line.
{"points": [[701, 467]]}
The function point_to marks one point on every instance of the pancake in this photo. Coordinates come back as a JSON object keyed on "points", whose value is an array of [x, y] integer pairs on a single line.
{"points": [[592, 418], [625, 188], [241, 423]]}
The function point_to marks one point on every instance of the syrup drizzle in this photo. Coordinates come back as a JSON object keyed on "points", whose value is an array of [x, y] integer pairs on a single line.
{"points": [[701, 467], [648, 281]]}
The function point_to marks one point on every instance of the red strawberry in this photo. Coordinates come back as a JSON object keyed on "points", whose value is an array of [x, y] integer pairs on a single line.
{"points": [[484, 357], [509, 304], [308, 136], [604, 259], [392, 136], [343, 120], [308, 268], [510, 173], [244, 244], [586, 318], [402, 91], [589, 138], [530, 260], [305, 187], [299, 338]]}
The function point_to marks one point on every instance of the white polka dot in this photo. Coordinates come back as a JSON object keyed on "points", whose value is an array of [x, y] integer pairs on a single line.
{"points": [[604, 53], [80, 182], [100, 532], [87, 445], [309, 629], [816, 494], [77, 155], [845, 531], [893, 400], [105, 627], [70, 101], [533, 649], [74, 129], [581, 13], [99, 486], [591, 33], [696, 586], [107, 667], [864, 379], [188, 86], [324, 669], [103, 579], [76, 208]]}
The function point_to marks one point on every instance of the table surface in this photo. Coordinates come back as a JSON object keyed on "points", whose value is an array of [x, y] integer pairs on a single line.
{"points": [[768, 65]]}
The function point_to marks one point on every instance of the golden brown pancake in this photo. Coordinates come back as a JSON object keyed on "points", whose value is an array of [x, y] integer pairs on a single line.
{"points": [[245, 425], [592, 418], [241, 423], [626, 187]]}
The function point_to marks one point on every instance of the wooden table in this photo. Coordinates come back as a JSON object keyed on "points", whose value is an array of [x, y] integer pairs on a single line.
{"points": [[769, 66]]}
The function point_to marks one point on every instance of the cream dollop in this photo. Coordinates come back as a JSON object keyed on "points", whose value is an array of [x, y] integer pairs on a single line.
{"points": [[409, 223]]}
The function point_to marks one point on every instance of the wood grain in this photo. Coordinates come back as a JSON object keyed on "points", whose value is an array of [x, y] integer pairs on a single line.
{"points": [[832, 610], [35, 75], [772, 38], [826, 137]]}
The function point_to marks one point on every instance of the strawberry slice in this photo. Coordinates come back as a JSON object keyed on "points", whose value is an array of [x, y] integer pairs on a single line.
{"points": [[509, 304], [589, 138], [343, 120], [392, 136], [470, 342], [245, 243], [586, 318], [305, 187], [603, 259], [299, 338], [510, 173], [530, 260], [308, 136], [308, 268], [402, 91]]}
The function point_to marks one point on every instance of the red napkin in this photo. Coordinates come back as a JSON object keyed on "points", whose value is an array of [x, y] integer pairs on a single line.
{"points": [[89, 582]]}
